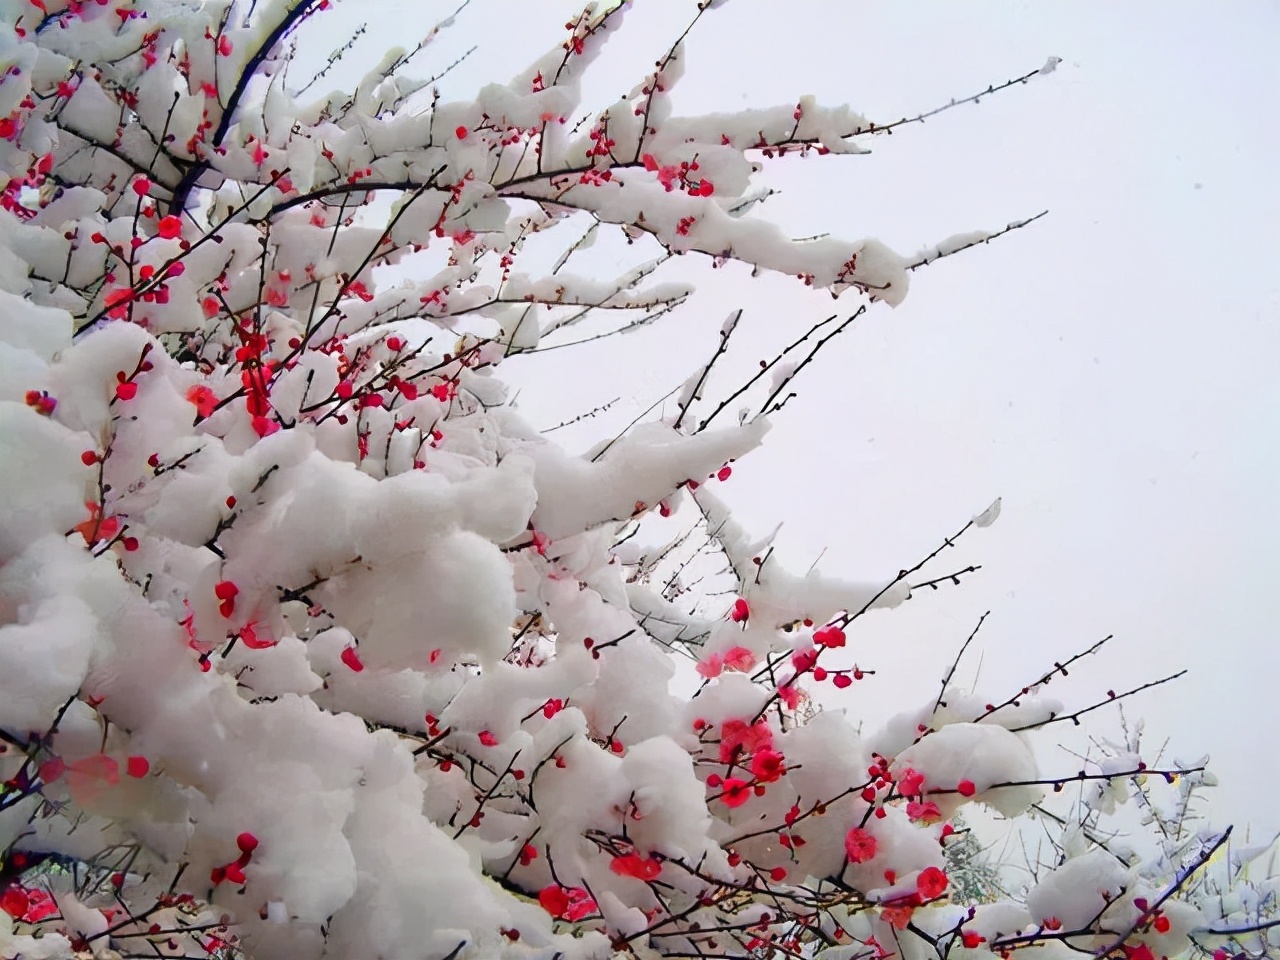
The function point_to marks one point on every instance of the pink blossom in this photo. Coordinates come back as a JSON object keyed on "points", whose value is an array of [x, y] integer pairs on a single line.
{"points": [[739, 658]]}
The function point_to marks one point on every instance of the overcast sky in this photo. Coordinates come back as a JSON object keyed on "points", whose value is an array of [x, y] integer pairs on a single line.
{"points": [[1111, 370]]}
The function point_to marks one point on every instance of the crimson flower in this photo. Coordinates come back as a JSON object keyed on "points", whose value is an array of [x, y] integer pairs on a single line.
{"points": [[859, 845], [204, 399], [580, 904], [803, 660], [931, 884], [170, 227], [736, 792], [226, 592], [767, 765], [14, 902], [736, 735], [554, 900], [634, 865], [572, 904], [40, 905], [926, 812], [910, 782], [829, 636]]}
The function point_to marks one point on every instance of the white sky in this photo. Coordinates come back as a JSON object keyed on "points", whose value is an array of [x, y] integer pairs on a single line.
{"points": [[1111, 371]]}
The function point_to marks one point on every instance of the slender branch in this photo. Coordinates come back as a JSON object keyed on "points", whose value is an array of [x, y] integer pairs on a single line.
{"points": [[951, 672], [695, 394], [987, 238], [291, 18], [1111, 698], [765, 368]]}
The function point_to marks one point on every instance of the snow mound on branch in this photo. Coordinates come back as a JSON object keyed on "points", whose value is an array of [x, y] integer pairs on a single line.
{"points": [[644, 466], [984, 754], [44, 655], [1078, 891], [42, 476]]}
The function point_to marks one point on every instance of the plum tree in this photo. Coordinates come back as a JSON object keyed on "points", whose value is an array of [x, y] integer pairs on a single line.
{"points": [[312, 646]]}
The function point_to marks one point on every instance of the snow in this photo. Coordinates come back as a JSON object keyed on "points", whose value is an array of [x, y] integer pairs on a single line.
{"points": [[645, 465], [51, 946], [44, 653], [988, 516], [1078, 891], [985, 754]]}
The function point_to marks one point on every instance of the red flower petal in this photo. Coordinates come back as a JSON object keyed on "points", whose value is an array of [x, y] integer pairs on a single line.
{"points": [[249, 636], [829, 636], [14, 902], [634, 865]]}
